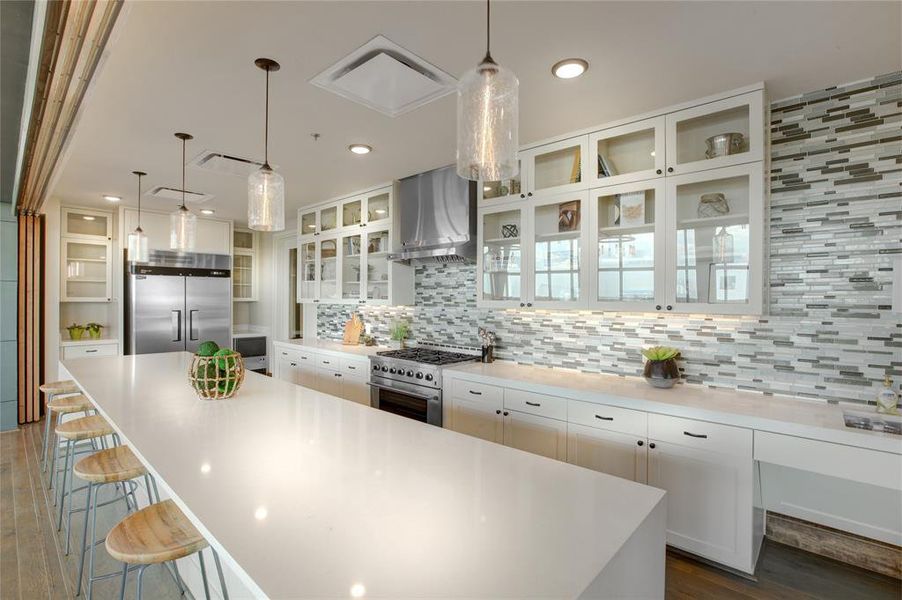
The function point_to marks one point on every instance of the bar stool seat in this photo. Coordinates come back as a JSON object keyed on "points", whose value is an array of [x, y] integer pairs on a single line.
{"points": [[158, 533], [84, 428], [70, 404], [60, 387], [109, 466]]}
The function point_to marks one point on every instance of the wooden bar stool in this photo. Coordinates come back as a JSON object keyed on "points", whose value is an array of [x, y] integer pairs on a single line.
{"points": [[112, 466], [66, 405], [158, 534], [90, 428], [54, 388]]}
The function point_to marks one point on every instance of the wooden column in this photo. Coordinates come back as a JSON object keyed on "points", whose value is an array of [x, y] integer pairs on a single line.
{"points": [[30, 316]]}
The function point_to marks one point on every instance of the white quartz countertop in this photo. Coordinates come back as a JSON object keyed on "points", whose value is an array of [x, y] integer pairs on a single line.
{"points": [[800, 417], [331, 346], [307, 495]]}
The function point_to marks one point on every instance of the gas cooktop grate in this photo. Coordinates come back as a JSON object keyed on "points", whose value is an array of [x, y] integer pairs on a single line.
{"points": [[427, 356]]}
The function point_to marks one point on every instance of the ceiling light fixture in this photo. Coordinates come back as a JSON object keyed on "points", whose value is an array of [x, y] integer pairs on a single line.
{"points": [[88, 218], [569, 68], [487, 119], [183, 222], [138, 250], [207, 211], [110, 198], [360, 148], [265, 187]]}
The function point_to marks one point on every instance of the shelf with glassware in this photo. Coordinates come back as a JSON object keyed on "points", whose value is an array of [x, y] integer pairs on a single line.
{"points": [[372, 207], [531, 252], [86, 261], [244, 265], [690, 243]]}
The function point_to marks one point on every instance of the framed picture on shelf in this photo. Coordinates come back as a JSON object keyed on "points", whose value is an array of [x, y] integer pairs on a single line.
{"points": [[605, 168], [568, 216], [632, 209]]}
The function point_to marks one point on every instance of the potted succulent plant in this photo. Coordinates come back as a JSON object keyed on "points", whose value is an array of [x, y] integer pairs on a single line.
{"points": [[75, 331], [94, 330], [661, 369], [400, 331]]}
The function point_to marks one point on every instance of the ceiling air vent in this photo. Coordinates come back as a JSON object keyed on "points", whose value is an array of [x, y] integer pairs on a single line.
{"points": [[386, 77], [161, 192], [229, 164]]}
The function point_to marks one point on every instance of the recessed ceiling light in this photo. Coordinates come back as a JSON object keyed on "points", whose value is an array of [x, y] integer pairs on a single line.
{"points": [[207, 211], [486, 188], [569, 68], [88, 218], [110, 198], [360, 148]]}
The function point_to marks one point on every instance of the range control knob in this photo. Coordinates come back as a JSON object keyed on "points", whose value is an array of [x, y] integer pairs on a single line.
{"points": [[375, 367], [428, 376], [419, 375], [392, 370], [410, 373], [384, 369]]}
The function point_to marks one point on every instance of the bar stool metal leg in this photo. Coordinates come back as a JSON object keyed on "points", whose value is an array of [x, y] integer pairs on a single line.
{"points": [[203, 573], [222, 584], [124, 579], [84, 543], [62, 490], [48, 416]]}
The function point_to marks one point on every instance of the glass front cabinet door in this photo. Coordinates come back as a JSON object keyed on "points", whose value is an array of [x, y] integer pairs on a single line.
{"points": [[378, 207], [558, 167], [377, 265], [351, 265], [496, 192], [631, 152], [500, 260], [715, 246], [626, 239], [557, 227], [86, 274], [86, 224], [327, 253], [307, 223], [307, 271]]}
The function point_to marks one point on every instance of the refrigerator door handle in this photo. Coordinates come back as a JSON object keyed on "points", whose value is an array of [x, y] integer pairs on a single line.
{"points": [[192, 332], [176, 320]]}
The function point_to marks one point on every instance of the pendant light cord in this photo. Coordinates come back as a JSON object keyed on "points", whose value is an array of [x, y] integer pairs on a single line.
{"points": [[488, 32], [139, 202], [266, 125], [183, 172]]}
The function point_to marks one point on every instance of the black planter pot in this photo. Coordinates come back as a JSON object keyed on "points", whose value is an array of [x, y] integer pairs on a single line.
{"points": [[662, 373]]}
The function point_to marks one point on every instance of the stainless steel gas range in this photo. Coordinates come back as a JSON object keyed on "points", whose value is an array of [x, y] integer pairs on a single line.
{"points": [[408, 382]]}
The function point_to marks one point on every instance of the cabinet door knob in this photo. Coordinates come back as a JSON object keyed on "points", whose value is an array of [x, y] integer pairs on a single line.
{"points": [[658, 172], [529, 304], [670, 169], [522, 305], [505, 413], [529, 193], [669, 307], [498, 412], [651, 445], [522, 195], [658, 307], [641, 443]]}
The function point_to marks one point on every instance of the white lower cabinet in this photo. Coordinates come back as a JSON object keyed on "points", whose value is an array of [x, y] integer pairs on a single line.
{"points": [[532, 433], [343, 377], [479, 417], [328, 381], [610, 452]]}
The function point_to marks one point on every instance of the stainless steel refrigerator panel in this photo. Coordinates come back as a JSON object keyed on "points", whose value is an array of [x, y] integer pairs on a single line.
{"points": [[209, 316], [157, 314]]}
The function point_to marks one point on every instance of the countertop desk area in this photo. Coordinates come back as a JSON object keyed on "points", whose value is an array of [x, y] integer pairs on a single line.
{"points": [[308, 496]]}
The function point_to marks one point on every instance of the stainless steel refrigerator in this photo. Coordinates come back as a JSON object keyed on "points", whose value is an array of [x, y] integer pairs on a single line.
{"points": [[177, 300]]}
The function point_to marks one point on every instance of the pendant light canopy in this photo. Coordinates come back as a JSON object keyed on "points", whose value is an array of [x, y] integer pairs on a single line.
{"points": [[137, 240], [488, 119], [265, 187], [182, 223]]}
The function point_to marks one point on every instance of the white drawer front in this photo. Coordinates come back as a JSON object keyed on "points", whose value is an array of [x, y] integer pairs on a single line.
{"points": [[613, 418], [291, 355], [536, 404], [355, 368], [725, 439], [474, 391], [328, 362], [836, 460], [89, 351]]}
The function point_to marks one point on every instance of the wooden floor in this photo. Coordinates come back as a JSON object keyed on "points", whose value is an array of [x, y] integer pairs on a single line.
{"points": [[32, 564]]}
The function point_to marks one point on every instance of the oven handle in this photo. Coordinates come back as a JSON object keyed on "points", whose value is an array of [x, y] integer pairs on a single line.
{"points": [[399, 391]]}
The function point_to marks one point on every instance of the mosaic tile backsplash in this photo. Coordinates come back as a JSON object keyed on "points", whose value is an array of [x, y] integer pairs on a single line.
{"points": [[835, 225]]}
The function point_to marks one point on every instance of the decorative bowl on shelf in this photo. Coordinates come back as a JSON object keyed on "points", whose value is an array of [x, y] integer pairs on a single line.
{"points": [[723, 144], [216, 377], [75, 331]]}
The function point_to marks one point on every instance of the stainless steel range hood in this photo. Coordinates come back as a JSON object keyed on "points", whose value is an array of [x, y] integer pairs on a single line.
{"points": [[437, 211]]}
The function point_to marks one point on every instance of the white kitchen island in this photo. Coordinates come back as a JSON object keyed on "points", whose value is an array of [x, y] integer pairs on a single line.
{"points": [[309, 496]]}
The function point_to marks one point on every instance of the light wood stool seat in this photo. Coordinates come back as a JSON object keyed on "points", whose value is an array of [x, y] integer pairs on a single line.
{"points": [[60, 387], [159, 533], [109, 466], [84, 428], [70, 404]]}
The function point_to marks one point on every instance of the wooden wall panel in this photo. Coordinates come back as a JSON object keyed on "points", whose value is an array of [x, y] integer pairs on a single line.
{"points": [[30, 317]]}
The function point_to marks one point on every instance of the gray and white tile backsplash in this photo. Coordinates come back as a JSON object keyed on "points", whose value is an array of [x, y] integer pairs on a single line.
{"points": [[835, 225]]}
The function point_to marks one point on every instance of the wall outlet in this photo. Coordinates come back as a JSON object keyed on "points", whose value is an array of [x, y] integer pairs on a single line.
{"points": [[368, 328]]}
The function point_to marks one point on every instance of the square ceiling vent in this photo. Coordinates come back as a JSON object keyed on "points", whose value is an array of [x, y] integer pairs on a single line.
{"points": [[386, 77]]}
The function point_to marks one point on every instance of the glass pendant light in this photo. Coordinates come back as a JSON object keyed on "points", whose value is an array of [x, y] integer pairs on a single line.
{"points": [[265, 187], [488, 119], [137, 240], [182, 223]]}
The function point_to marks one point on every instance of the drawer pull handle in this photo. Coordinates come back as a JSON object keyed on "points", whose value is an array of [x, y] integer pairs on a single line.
{"points": [[533, 403], [352, 368], [604, 418], [94, 350], [303, 358], [338, 374], [294, 364], [703, 436], [325, 362], [475, 393]]}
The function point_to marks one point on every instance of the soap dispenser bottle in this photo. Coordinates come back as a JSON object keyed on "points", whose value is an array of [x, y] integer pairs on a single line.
{"points": [[887, 398]]}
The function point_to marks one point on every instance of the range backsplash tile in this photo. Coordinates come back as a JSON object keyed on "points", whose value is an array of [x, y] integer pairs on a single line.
{"points": [[835, 225]]}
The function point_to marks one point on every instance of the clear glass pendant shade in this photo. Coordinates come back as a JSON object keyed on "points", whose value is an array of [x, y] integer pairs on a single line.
{"points": [[266, 200], [488, 123], [138, 250], [182, 229]]}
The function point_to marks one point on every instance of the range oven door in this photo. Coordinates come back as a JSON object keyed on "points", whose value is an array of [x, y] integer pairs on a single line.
{"points": [[414, 402]]}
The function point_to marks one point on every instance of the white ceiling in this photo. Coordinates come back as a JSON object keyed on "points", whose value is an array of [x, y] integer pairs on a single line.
{"points": [[188, 66]]}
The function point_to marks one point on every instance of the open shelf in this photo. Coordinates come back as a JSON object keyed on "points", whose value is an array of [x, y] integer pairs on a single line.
{"points": [[510, 240], [616, 229], [558, 235], [718, 221]]}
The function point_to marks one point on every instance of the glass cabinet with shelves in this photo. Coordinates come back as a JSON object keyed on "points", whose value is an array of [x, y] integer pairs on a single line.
{"points": [[377, 266], [307, 278], [86, 271], [307, 223], [631, 152], [86, 224], [351, 266], [244, 265], [327, 251], [501, 261], [557, 230], [558, 167]]}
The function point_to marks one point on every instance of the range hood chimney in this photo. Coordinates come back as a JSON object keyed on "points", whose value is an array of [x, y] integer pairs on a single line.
{"points": [[437, 211]]}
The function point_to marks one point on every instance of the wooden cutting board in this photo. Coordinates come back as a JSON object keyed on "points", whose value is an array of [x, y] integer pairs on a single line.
{"points": [[353, 329]]}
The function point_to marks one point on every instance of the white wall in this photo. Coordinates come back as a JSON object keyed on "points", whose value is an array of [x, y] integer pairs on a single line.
{"points": [[51, 289]]}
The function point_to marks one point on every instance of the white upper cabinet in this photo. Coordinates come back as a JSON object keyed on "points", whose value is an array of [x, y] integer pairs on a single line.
{"points": [[214, 236], [705, 136], [556, 258], [86, 256], [558, 167], [86, 224], [626, 153], [501, 262], [244, 265]]}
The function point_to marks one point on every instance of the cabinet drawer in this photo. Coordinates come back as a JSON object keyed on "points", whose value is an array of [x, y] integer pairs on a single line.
{"points": [[328, 362], [472, 391], [355, 368], [613, 418], [714, 437], [290, 355], [536, 404], [89, 351]]}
